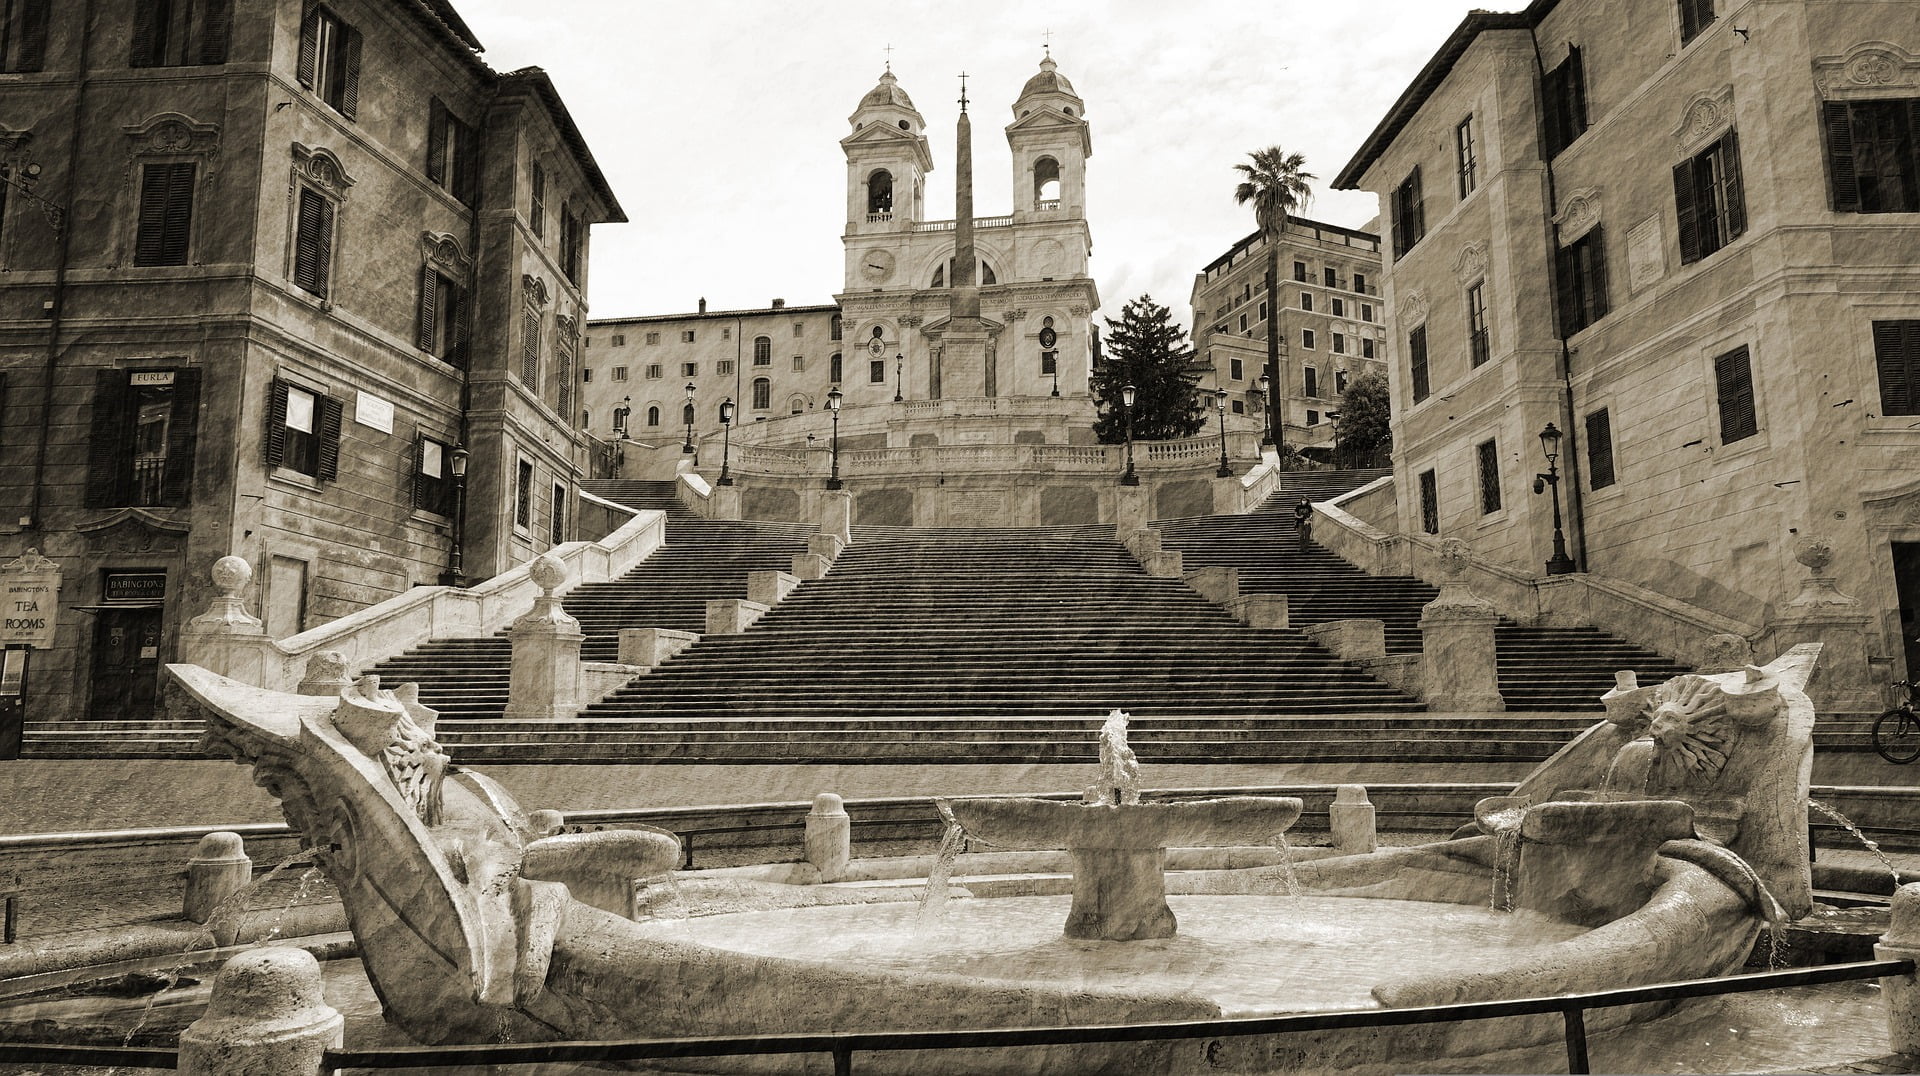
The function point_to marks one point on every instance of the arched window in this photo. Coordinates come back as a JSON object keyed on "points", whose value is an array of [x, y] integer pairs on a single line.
{"points": [[833, 328], [880, 192], [762, 393], [940, 277], [797, 403], [620, 419], [653, 416], [833, 368], [1046, 183], [986, 275], [762, 351]]}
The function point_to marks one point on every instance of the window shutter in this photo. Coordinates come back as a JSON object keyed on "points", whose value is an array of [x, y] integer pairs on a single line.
{"points": [[274, 444], [107, 465], [1895, 355], [1576, 91], [350, 73], [1489, 454], [1553, 109], [1736, 188], [530, 350], [330, 411], [456, 315], [309, 67], [1845, 184], [1595, 242], [466, 166], [538, 208], [313, 247], [419, 464], [34, 16], [141, 50], [1733, 382], [183, 432], [429, 288], [437, 142], [564, 375], [1599, 450], [216, 34], [149, 237], [1419, 209], [1429, 502], [1687, 211], [179, 213]]}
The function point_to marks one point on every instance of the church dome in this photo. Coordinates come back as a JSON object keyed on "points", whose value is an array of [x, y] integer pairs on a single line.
{"points": [[888, 92], [1048, 80], [889, 106]]}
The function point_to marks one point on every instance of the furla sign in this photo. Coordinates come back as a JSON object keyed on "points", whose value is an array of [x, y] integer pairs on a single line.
{"points": [[29, 600]]}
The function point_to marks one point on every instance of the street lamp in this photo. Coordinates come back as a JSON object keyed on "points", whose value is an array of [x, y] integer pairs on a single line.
{"points": [[1126, 402], [726, 439], [899, 368], [1559, 563], [1266, 428], [456, 574], [833, 405], [1220, 405], [688, 447]]}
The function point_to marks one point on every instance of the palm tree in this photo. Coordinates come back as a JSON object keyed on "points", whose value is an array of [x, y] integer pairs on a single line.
{"points": [[1277, 183]]}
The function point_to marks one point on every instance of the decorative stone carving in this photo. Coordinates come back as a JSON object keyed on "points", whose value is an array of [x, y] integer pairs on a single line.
{"points": [[322, 169], [1471, 263], [442, 251], [133, 530], [910, 321], [326, 674], [228, 614], [1457, 652], [1868, 69], [1818, 591], [1725, 653], [544, 683], [1078, 310], [1413, 309], [30, 563], [535, 289], [566, 322], [395, 730], [1578, 214], [1705, 116], [1015, 314], [172, 134]]}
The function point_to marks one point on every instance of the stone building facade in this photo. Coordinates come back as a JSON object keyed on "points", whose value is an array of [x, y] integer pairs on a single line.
{"points": [[1687, 233], [1331, 323], [267, 264]]}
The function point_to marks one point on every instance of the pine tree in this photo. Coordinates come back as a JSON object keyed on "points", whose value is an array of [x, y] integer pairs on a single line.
{"points": [[1147, 350], [1364, 436]]}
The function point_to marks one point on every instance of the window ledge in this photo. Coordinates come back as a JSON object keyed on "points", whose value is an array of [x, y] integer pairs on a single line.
{"points": [[300, 480], [1491, 518], [432, 520], [1756, 444]]}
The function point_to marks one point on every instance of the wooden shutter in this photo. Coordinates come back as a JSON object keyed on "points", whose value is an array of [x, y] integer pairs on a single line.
{"points": [[563, 373], [466, 164], [107, 462], [143, 47], [183, 432], [1599, 449], [437, 142], [1685, 185], [329, 413], [1733, 384], [179, 212], [530, 350], [1576, 91], [349, 71], [31, 53], [1896, 351], [216, 31], [1417, 362], [1735, 187], [456, 315], [1419, 209], [274, 443], [1843, 182], [419, 467], [1595, 242], [429, 296], [166, 214], [1489, 458], [313, 244], [309, 65], [539, 206]]}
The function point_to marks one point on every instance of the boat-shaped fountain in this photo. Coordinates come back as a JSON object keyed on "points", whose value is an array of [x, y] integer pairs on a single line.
{"points": [[1654, 847]]}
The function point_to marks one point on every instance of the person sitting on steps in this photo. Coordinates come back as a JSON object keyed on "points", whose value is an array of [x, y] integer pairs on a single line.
{"points": [[1303, 520]]}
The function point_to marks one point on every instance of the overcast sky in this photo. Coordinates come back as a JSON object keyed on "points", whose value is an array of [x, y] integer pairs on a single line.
{"points": [[718, 123]]}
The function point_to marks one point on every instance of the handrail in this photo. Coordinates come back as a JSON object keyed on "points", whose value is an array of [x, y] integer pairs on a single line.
{"points": [[134, 1057]]}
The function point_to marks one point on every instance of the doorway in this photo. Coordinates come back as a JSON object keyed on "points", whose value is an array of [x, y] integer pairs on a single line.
{"points": [[126, 664], [1906, 581]]}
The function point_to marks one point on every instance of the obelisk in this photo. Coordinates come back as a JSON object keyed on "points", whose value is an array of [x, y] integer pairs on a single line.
{"points": [[964, 367]]}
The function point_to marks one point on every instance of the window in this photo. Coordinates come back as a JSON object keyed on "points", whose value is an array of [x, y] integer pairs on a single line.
{"points": [[573, 240], [796, 404], [166, 213], [1306, 338], [1409, 215], [620, 419], [1339, 308], [799, 329], [586, 375], [723, 367], [1465, 163], [1708, 200], [140, 448], [1339, 343], [652, 339], [530, 349], [1310, 382], [432, 478], [442, 318], [1695, 16], [1733, 387], [329, 62], [170, 33], [1366, 347], [563, 377], [1329, 277], [799, 362], [1360, 283], [1243, 323], [1429, 502], [1896, 354], [655, 371], [1581, 273], [833, 327], [24, 46], [1237, 369], [877, 372], [1339, 382], [1599, 450], [1306, 300], [619, 373], [762, 351], [537, 209], [1313, 418], [726, 332], [833, 368], [1300, 271], [453, 157], [1563, 101], [557, 515], [1263, 310], [1478, 346], [689, 369], [1049, 363], [313, 242], [1489, 458], [619, 340], [1366, 311], [1417, 363], [1873, 163], [653, 415], [686, 336], [1238, 407], [523, 496], [762, 393], [303, 431]]}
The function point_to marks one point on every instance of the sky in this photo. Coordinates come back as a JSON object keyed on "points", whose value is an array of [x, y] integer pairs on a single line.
{"points": [[717, 124]]}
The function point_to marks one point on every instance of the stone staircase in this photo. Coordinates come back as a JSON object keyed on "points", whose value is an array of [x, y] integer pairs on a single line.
{"points": [[657, 494]]}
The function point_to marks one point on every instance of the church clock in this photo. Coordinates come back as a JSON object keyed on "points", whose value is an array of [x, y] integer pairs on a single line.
{"points": [[877, 265]]}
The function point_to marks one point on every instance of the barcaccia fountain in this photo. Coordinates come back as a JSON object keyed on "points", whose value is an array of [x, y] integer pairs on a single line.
{"points": [[1653, 847]]}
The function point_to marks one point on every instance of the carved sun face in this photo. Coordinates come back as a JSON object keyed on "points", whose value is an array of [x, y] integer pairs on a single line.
{"points": [[1690, 725]]}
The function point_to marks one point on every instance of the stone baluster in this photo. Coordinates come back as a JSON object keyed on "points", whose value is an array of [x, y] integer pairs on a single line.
{"points": [[1458, 669], [266, 1015], [1902, 942], [219, 868], [545, 681], [226, 638], [1820, 613], [829, 836]]}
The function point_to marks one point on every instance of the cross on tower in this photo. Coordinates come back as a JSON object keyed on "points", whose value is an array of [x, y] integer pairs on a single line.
{"points": [[963, 91], [889, 51], [1048, 43]]}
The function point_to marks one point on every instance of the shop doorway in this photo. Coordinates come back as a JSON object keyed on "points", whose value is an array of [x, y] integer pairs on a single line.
{"points": [[126, 664], [1906, 581]]}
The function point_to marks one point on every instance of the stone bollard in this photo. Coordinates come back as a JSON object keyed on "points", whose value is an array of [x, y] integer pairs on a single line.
{"points": [[546, 822], [731, 616], [811, 566], [1458, 659], [1902, 942], [1217, 583], [218, 869], [652, 647], [545, 681], [829, 836], [1350, 819], [326, 674], [265, 1016], [226, 638], [769, 587], [836, 515]]}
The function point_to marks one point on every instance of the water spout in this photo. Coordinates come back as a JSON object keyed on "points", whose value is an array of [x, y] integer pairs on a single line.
{"points": [[933, 899], [1866, 842]]}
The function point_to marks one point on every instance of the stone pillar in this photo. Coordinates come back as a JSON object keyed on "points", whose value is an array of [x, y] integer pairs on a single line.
{"points": [[1132, 508], [811, 566], [652, 647], [226, 638], [1350, 820], [724, 503], [1820, 613], [266, 1015], [218, 869], [770, 587], [545, 681], [1902, 942], [731, 616], [829, 836], [836, 514], [1458, 671], [326, 674]]}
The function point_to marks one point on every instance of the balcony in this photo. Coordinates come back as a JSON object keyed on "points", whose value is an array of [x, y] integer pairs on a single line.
{"points": [[879, 218], [978, 222]]}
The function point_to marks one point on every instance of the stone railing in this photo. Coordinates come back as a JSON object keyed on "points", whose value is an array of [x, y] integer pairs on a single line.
{"points": [[978, 222]]}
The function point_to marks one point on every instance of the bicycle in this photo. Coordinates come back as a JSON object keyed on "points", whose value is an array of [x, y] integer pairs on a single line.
{"points": [[1896, 733]]}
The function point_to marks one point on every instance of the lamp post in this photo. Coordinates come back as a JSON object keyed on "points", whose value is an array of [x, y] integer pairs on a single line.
{"points": [[1126, 402], [1559, 563], [1220, 405], [1056, 375], [833, 405], [1266, 411], [688, 447], [726, 439], [456, 573], [899, 368]]}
